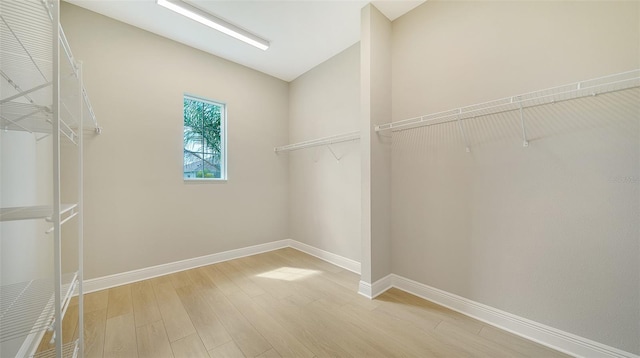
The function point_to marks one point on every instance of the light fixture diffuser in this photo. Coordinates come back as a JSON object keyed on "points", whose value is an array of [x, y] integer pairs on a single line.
{"points": [[214, 22]]}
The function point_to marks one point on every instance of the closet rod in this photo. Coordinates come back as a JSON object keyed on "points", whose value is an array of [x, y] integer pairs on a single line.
{"points": [[592, 87], [346, 137]]}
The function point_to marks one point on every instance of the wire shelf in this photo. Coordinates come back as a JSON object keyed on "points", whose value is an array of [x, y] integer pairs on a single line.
{"points": [[29, 307], [69, 350], [319, 142], [27, 72], [592, 87], [28, 117], [26, 54], [32, 212]]}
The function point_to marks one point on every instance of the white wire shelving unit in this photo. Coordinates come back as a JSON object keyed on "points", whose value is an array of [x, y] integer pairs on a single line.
{"points": [[27, 68], [319, 142], [42, 93], [592, 87]]}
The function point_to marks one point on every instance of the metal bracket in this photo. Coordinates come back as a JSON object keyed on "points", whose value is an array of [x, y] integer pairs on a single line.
{"points": [[525, 142], [333, 153], [464, 135]]}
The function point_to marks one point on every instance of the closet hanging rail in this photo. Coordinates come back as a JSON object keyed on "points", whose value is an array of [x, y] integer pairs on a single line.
{"points": [[591, 87], [346, 137]]}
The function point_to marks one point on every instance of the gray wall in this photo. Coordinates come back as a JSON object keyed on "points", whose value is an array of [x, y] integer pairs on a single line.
{"points": [[139, 212], [324, 201], [548, 232]]}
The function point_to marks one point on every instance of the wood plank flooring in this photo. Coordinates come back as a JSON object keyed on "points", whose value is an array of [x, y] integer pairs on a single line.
{"points": [[282, 303]]}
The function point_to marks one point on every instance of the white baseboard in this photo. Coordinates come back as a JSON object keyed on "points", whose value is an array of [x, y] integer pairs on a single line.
{"points": [[364, 288], [534, 331], [340, 261], [101, 283], [372, 291], [146, 273], [381, 285], [554, 338]]}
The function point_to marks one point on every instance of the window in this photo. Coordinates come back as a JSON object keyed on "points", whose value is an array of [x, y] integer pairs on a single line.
{"points": [[204, 139]]}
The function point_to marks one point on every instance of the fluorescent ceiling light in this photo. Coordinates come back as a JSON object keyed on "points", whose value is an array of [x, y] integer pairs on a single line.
{"points": [[214, 22]]}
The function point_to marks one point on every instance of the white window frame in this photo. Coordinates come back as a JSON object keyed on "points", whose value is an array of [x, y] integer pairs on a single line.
{"points": [[223, 139]]}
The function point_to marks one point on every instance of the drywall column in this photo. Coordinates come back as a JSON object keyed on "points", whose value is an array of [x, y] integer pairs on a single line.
{"points": [[375, 104]]}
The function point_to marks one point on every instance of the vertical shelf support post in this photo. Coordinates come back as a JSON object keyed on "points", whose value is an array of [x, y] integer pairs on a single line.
{"points": [[80, 346], [55, 109]]}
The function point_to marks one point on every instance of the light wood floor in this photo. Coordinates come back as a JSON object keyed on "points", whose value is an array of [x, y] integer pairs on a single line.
{"points": [[279, 304]]}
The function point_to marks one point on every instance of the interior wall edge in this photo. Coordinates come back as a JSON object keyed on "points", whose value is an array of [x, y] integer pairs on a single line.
{"points": [[534, 331]]}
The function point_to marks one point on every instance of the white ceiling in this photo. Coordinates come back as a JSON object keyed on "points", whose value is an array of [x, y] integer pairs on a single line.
{"points": [[302, 33]]}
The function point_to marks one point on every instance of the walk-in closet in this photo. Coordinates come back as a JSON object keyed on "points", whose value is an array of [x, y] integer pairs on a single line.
{"points": [[194, 178]]}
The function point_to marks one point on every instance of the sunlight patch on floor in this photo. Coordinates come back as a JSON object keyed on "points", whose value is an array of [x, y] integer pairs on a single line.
{"points": [[288, 273]]}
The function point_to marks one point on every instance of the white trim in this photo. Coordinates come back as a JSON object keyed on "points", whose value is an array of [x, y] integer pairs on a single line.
{"points": [[364, 288], [381, 285], [534, 331], [372, 291], [101, 283], [204, 180], [340, 261], [124, 278], [554, 338]]}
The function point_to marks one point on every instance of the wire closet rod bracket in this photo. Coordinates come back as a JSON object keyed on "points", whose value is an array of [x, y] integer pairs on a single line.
{"points": [[525, 142], [464, 135]]}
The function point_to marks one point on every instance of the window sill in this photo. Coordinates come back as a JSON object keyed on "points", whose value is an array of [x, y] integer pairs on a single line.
{"points": [[203, 181]]}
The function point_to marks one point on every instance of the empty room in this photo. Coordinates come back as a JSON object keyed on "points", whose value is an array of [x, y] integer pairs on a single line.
{"points": [[358, 178]]}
